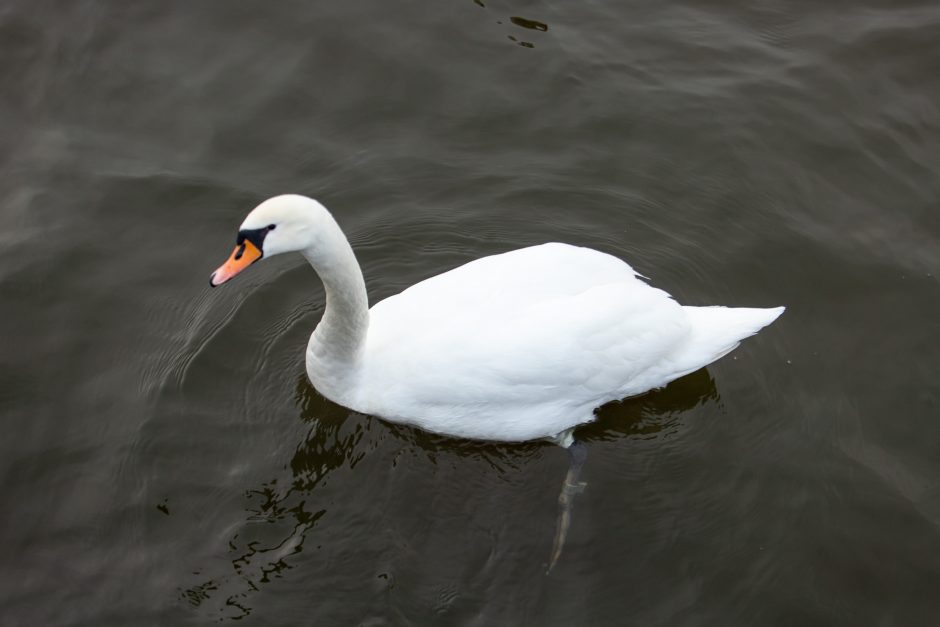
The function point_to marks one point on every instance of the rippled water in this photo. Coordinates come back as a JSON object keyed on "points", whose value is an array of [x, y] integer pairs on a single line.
{"points": [[165, 461]]}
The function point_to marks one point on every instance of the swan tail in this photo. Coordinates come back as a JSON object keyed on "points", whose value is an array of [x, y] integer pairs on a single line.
{"points": [[716, 331]]}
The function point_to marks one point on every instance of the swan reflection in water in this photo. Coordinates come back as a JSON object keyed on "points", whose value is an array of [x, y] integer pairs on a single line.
{"points": [[335, 441]]}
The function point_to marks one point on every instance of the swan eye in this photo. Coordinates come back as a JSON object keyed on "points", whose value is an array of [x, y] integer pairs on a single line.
{"points": [[271, 227]]}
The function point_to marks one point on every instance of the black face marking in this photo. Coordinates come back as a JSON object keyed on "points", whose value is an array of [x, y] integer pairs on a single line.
{"points": [[255, 236]]}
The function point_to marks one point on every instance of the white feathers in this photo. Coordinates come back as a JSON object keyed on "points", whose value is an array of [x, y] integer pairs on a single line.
{"points": [[526, 344], [516, 346]]}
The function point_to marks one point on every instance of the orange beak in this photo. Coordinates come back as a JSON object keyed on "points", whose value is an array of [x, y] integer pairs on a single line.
{"points": [[243, 256]]}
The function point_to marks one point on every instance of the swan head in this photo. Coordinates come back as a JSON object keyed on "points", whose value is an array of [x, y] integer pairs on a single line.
{"points": [[278, 225]]}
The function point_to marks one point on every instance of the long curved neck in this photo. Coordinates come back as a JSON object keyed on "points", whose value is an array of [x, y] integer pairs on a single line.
{"points": [[336, 344]]}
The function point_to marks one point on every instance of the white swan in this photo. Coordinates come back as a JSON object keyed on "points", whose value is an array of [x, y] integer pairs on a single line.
{"points": [[516, 346]]}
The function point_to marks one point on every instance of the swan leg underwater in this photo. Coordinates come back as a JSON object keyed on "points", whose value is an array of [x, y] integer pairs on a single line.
{"points": [[577, 455], [518, 346]]}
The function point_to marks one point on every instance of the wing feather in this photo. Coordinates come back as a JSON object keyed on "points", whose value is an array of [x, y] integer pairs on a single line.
{"points": [[549, 325]]}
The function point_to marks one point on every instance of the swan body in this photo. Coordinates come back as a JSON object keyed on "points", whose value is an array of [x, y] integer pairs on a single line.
{"points": [[515, 346]]}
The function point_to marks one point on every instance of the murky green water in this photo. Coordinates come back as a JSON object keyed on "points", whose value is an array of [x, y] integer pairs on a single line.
{"points": [[164, 460]]}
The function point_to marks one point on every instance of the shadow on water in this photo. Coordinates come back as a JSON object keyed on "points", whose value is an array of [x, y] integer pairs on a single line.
{"points": [[279, 513], [258, 556], [652, 415]]}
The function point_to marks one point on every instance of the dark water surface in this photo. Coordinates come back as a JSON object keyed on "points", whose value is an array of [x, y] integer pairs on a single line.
{"points": [[164, 460]]}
